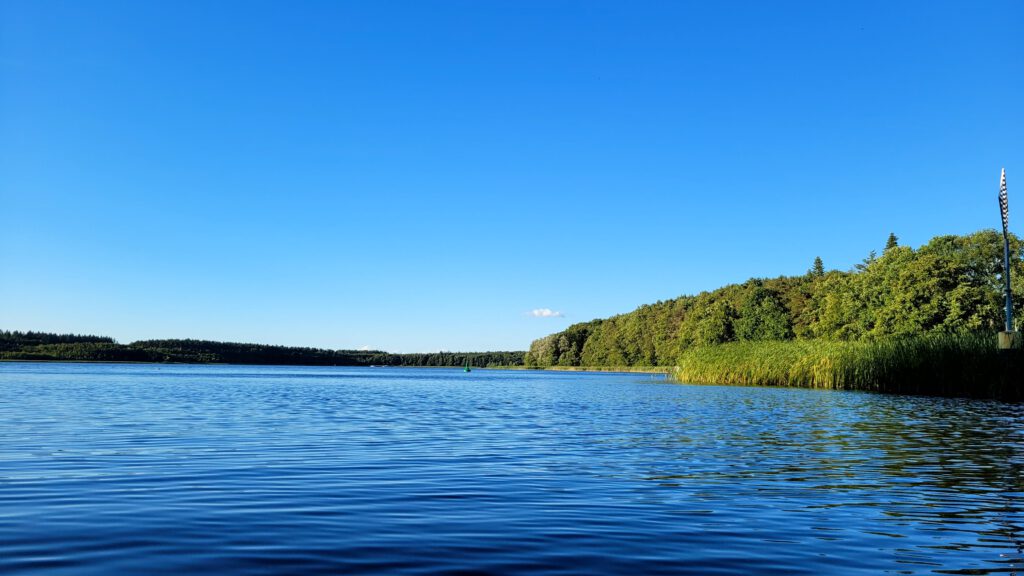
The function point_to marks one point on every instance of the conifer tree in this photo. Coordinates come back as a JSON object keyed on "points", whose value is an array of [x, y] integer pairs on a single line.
{"points": [[892, 242], [819, 268]]}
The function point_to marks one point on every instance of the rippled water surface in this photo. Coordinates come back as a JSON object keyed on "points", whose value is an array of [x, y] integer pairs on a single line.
{"points": [[244, 469]]}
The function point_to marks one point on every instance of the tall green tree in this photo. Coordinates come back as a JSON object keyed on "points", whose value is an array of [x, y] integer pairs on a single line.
{"points": [[716, 324], [763, 317], [892, 242], [818, 268]]}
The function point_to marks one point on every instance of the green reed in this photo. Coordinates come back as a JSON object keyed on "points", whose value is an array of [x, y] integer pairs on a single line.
{"points": [[961, 364]]}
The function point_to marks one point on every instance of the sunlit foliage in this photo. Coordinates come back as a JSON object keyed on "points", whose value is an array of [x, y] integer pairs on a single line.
{"points": [[950, 285]]}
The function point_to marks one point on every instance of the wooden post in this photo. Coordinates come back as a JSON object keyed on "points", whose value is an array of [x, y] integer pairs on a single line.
{"points": [[1007, 340]]}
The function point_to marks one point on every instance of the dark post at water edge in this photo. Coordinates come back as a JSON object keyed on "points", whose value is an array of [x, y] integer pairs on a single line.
{"points": [[1007, 337]]}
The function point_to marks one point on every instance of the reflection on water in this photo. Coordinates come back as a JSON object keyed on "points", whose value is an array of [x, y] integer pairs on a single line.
{"points": [[213, 469]]}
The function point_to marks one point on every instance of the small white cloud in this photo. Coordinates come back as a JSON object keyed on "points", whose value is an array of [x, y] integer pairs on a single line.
{"points": [[364, 348], [545, 313]]}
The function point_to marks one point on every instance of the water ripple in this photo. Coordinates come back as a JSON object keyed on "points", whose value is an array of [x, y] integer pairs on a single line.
{"points": [[221, 469]]}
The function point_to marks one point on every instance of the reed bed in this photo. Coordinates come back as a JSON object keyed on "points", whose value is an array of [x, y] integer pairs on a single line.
{"points": [[964, 364]]}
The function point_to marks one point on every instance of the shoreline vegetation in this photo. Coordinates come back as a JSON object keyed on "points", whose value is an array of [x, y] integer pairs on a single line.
{"points": [[40, 346], [962, 365], [912, 321], [623, 369]]}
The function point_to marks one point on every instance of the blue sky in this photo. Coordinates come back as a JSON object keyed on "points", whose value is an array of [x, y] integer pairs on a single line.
{"points": [[416, 176]]}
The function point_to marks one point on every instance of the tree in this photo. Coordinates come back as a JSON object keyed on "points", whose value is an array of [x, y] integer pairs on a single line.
{"points": [[818, 269], [892, 242], [716, 324], [763, 317], [953, 283], [867, 262]]}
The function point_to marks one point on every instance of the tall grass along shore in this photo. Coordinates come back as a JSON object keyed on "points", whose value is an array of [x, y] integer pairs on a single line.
{"points": [[960, 364]]}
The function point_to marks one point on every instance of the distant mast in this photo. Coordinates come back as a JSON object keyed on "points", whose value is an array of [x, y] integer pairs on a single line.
{"points": [[1006, 340]]}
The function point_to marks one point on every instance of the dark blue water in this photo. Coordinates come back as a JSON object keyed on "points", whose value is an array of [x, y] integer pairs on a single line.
{"points": [[242, 469]]}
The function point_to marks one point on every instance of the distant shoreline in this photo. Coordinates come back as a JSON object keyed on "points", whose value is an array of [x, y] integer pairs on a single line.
{"points": [[42, 346], [145, 363], [620, 369], [624, 369]]}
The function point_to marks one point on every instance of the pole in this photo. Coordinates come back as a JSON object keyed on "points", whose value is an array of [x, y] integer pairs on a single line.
{"points": [[1008, 337], [1006, 276]]}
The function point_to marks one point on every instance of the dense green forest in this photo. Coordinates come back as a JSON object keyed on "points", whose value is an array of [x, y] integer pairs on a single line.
{"points": [[43, 346], [951, 285]]}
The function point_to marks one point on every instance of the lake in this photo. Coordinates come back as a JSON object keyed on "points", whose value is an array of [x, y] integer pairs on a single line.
{"points": [[253, 469]]}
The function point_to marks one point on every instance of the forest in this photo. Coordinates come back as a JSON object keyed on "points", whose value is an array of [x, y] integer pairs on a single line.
{"points": [[72, 347], [951, 285]]}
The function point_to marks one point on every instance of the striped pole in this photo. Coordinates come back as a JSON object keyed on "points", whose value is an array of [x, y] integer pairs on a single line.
{"points": [[1004, 209]]}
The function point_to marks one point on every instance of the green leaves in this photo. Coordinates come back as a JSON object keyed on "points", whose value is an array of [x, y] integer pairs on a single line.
{"points": [[716, 324], [763, 317], [951, 284]]}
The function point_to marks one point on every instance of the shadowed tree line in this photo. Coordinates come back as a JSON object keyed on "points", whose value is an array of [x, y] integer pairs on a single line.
{"points": [[42, 346], [952, 284]]}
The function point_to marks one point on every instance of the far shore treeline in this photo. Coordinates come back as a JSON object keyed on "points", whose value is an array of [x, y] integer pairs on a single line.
{"points": [[71, 347], [921, 320]]}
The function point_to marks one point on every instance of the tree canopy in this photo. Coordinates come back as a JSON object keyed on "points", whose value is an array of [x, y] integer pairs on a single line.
{"points": [[951, 284], [43, 346]]}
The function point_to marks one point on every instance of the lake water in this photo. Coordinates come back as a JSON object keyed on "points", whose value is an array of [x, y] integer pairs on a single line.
{"points": [[245, 469]]}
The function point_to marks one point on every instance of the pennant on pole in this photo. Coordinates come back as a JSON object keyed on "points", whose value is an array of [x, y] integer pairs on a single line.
{"points": [[1003, 204]]}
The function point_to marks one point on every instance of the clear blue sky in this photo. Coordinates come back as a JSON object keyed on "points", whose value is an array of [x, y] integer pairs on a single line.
{"points": [[416, 176]]}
